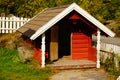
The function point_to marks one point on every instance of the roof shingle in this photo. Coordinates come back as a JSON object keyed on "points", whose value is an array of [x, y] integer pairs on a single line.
{"points": [[41, 19], [50, 16]]}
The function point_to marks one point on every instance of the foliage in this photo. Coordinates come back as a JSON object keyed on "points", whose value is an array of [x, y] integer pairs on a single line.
{"points": [[10, 40], [114, 25], [12, 69], [109, 66], [108, 9], [103, 10]]}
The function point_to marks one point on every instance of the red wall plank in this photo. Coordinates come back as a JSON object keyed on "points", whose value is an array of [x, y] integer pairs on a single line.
{"points": [[80, 56], [92, 54], [80, 50], [80, 46]]}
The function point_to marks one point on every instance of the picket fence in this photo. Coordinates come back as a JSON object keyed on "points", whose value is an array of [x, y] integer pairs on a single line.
{"points": [[11, 24]]}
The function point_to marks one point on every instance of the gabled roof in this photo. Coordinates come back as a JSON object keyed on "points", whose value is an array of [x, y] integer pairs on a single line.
{"points": [[40, 20], [48, 17]]}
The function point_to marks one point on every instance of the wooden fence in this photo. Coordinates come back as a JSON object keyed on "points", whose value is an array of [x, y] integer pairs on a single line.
{"points": [[11, 24], [111, 48], [108, 44]]}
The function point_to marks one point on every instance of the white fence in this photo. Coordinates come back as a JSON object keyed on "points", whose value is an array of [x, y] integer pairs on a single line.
{"points": [[110, 48], [108, 44], [111, 51], [11, 24]]}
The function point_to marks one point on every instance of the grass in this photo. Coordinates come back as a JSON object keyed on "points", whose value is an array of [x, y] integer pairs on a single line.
{"points": [[11, 68]]}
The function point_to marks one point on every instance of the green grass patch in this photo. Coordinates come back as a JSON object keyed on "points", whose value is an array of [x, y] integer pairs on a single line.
{"points": [[11, 68]]}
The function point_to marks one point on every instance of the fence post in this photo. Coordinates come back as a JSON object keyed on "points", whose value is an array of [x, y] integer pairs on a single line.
{"points": [[3, 24], [98, 49], [10, 25], [18, 23], [21, 21], [0, 25], [6, 25], [14, 24]]}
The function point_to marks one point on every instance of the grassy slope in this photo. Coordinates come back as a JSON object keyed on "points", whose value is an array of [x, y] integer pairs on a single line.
{"points": [[12, 69]]}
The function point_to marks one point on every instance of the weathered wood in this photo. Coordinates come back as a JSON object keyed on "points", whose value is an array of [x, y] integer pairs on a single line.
{"points": [[54, 43], [111, 48]]}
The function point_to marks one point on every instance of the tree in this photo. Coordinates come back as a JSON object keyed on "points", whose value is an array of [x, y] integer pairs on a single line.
{"points": [[5, 6]]}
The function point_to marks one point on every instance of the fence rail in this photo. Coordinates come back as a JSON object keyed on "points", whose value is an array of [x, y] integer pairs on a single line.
{"points": [[11, 24], [110, 48], [109, 44]]}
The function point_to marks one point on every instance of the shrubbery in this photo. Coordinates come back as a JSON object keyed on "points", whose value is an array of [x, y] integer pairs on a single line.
{"points": [[109, 66]]}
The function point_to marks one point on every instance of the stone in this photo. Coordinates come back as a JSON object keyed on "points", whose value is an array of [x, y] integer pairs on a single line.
{"points": [[25, 54]]}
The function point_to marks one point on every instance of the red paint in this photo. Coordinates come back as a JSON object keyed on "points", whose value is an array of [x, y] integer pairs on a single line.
{"points": [[28, 43], [80, 50], [80, 41], [80, 46], [37, 53], [90, 25], [46, 55], [82, 56], [92, 54], [79, 36], [74, 17]]}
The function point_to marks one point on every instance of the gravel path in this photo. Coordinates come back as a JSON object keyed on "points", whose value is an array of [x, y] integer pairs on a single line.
{"points": [[80, 74]]}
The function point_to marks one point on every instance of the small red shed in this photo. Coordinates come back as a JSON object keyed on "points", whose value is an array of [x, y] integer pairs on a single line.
{"points": [[65, 31]]}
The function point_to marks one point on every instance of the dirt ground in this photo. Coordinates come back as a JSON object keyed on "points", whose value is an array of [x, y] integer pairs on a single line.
{"points": [[81, 74]]}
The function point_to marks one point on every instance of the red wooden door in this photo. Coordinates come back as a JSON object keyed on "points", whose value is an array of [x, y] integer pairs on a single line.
{"points": [[80, 44]]}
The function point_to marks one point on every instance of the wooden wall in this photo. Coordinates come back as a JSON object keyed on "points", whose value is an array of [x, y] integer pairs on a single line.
{"points": [[54, 43]]}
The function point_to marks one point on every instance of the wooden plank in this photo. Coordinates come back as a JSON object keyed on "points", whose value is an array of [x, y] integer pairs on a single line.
{"points": [[80, 37], [80, 45], [84, 41], [79, 50], [80, 56], [54, 43], [10, 25], [6, 25], [14, 24]]}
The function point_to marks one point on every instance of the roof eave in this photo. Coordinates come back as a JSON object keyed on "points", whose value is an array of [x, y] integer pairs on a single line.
{"points": [[72, 7], [94, 21], [53, 21]]}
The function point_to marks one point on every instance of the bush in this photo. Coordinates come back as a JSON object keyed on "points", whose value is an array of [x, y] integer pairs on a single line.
{"points": [[110, 67]]}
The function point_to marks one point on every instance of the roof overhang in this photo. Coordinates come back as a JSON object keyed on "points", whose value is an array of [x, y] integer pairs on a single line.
{"points": [[65, 12]]}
